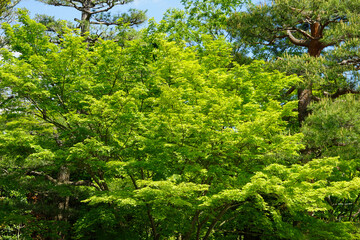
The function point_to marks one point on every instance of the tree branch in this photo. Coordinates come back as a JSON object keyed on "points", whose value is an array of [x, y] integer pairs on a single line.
{"points": [[71, 4], [84, 183], [217, 218], [301, 12], [331, 44], [6, 100], [133, 181], [272, 40], [354, 61], [352, 208], [297, 42], [334, 20], [316, 99], [132, 23], [48, 177], [53, 180], [152, 221], [193, 223], [339, 92], [304, 33], [288, 92]]}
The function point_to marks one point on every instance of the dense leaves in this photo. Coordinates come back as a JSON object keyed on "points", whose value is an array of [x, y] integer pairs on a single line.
{"points": [[156, 139]]}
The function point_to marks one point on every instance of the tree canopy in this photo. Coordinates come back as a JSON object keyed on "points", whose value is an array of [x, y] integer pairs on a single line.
{"points": [[163, 137], [95, 13]]}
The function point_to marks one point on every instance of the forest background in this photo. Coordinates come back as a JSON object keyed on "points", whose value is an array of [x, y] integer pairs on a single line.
{"points": [[224, 120]]}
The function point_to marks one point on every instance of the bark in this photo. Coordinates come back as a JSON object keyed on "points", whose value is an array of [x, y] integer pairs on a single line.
{"points": [[315, 46], [304, 96], [297, 42], [156, 235], [63, 205], [314, 50], [291, 90], [341, 91], [85, 19]]}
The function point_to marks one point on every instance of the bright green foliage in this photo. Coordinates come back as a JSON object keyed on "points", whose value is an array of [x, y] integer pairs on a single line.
{"points": [[154, 139], [6, 15], [304, 188], [6, 9], [332, 130], [198, 18], [210, 16], [3, 5]]}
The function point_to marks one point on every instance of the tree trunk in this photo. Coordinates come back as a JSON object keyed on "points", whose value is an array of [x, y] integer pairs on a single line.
{"points": [[85, 22], [305, 94], [315, 46], [86, 16], [63, 205]]}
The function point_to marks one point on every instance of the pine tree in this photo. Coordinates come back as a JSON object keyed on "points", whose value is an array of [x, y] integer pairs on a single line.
{"points": [[314, 25], [96, 12]]}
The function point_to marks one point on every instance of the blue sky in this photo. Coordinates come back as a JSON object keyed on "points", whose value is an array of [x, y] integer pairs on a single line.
{"points": [[156, 8]]}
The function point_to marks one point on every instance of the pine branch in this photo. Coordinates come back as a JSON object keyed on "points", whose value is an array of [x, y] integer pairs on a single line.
{"points": [[353, 61], [316, 99], [297, 42], [340, 92], [302, 12], [270, 42], [304, 33]]}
